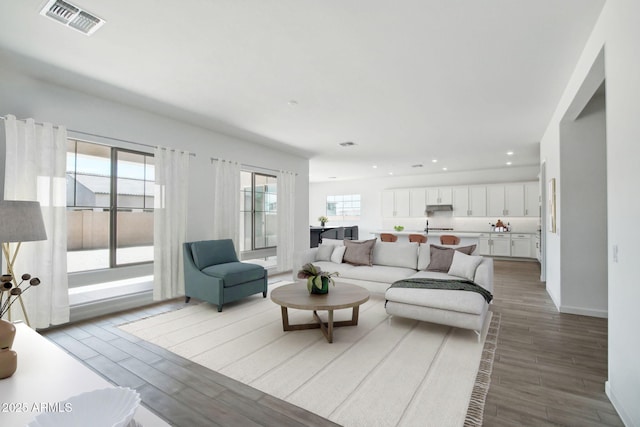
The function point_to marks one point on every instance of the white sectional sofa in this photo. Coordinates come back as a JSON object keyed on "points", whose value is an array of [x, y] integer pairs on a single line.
{"points": [[402, 260]]}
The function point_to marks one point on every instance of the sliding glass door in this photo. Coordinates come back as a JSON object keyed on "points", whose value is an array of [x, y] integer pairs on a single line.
{"points": [[258, 214]]}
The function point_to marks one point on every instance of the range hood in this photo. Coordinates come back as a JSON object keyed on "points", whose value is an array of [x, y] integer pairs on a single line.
{"points": [[438, 208]]}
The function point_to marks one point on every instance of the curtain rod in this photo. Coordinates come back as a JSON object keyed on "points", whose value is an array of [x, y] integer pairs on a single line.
{"points": [[102, 136], [250, 166]]}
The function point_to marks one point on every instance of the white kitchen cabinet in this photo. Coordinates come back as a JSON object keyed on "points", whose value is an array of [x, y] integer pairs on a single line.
{"points": [[504, 200], [470, 201], [496, 244], [478, 201], [495, 201], [418, 202], [521, 245], [403, 203], [484, 244], [514, 199], [388, 204], [532, 199], [500, 244], [439, 196], [460, 201], [537, 250], [396, 203]]}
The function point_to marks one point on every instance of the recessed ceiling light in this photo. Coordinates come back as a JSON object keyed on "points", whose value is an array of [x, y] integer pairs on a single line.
{"points": [[347, 144], [444, 169], [508, 163], [434, 161], [509, 153], [390, 173], [293, 102], [375, 166]]}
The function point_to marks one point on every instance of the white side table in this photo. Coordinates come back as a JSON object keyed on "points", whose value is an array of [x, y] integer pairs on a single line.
{"points": [[46, 374]]}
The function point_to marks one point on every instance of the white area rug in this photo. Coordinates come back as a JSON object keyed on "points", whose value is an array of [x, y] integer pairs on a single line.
{"points": [[383, 372]]}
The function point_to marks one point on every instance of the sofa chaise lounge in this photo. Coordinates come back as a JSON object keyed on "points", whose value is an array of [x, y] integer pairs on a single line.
{"points": [[395, 261]]}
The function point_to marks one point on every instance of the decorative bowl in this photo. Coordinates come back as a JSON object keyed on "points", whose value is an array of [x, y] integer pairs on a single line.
{"points": [[113, 407]]}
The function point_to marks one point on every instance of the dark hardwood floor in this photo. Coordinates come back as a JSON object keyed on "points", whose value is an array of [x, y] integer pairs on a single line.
{"points": [[178, 390], [549, 368]]}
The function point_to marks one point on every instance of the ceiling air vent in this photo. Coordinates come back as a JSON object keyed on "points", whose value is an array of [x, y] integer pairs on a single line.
{"points": [[72, 16]]}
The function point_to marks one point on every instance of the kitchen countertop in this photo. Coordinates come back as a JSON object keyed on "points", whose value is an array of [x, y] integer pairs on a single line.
{"points": [[459, 233], [431, 232]]}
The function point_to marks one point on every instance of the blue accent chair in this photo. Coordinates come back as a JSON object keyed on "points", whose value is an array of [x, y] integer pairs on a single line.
{"points": [[213, 273]]}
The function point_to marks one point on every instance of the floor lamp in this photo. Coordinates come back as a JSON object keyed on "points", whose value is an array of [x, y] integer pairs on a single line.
{"points": [[20, 221]]}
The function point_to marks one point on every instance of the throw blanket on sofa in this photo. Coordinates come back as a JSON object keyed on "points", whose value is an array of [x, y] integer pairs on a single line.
{"points": [[448, 284]]}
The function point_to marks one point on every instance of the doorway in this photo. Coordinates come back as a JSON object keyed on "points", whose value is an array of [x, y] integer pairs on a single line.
{"points": [[582, 203]]}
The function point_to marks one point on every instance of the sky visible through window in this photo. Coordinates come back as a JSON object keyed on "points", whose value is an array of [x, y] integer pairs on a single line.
{"points": [[93, 165]]}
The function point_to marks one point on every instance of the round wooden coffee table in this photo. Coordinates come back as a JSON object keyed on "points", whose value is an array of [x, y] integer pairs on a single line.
{"points": [[340, 296]]}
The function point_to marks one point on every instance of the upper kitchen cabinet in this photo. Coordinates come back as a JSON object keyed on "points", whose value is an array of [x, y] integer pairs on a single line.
{"points": [[470, 201], [495, 200], [439, 196], [396, 203], [514, 199], [505, 200], [532, 199], [418, 202]]}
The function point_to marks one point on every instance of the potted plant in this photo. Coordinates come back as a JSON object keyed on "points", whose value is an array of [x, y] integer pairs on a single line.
{"points": [[317, 280], [323, 219], [398, 227]]}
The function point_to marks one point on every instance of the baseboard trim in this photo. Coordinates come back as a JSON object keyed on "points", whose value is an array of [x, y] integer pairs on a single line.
{"points": [[110, 305], [626, 420], [553, 299], [584, 311]]}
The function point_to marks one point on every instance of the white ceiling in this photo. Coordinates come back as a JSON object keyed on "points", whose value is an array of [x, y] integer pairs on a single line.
{"points": [[463, 81]]}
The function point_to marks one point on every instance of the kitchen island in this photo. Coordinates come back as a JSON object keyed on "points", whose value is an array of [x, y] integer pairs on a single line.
{"points": [[524, 245], [433, 236]]}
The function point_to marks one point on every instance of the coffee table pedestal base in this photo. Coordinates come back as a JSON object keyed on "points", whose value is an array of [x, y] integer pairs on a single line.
{"points": [[325, 327]]}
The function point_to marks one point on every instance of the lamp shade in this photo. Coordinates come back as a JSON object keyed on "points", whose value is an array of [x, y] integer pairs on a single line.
{"points": [[21, 221]]}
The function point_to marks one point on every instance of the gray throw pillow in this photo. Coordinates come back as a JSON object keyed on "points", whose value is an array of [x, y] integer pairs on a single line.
{"points": [[441, 257], [359, 252]]}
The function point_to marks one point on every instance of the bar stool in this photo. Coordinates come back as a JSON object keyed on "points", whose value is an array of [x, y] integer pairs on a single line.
{"points": [[419, 238], [447, 239], [388, 237]]}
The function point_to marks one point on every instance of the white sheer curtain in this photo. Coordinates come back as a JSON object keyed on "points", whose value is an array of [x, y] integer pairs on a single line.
{"points": [[169, 222], [226, 201], [286, 209], [36, 170]]}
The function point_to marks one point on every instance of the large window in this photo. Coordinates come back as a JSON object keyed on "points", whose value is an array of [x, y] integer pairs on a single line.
{"points": [[109, 206], [258, 213], [343, 207]]}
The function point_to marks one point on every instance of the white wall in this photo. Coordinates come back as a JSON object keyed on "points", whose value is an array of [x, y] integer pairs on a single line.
{"points": [[25, 97], [583, 197], [617, 31], [370, 191]]}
